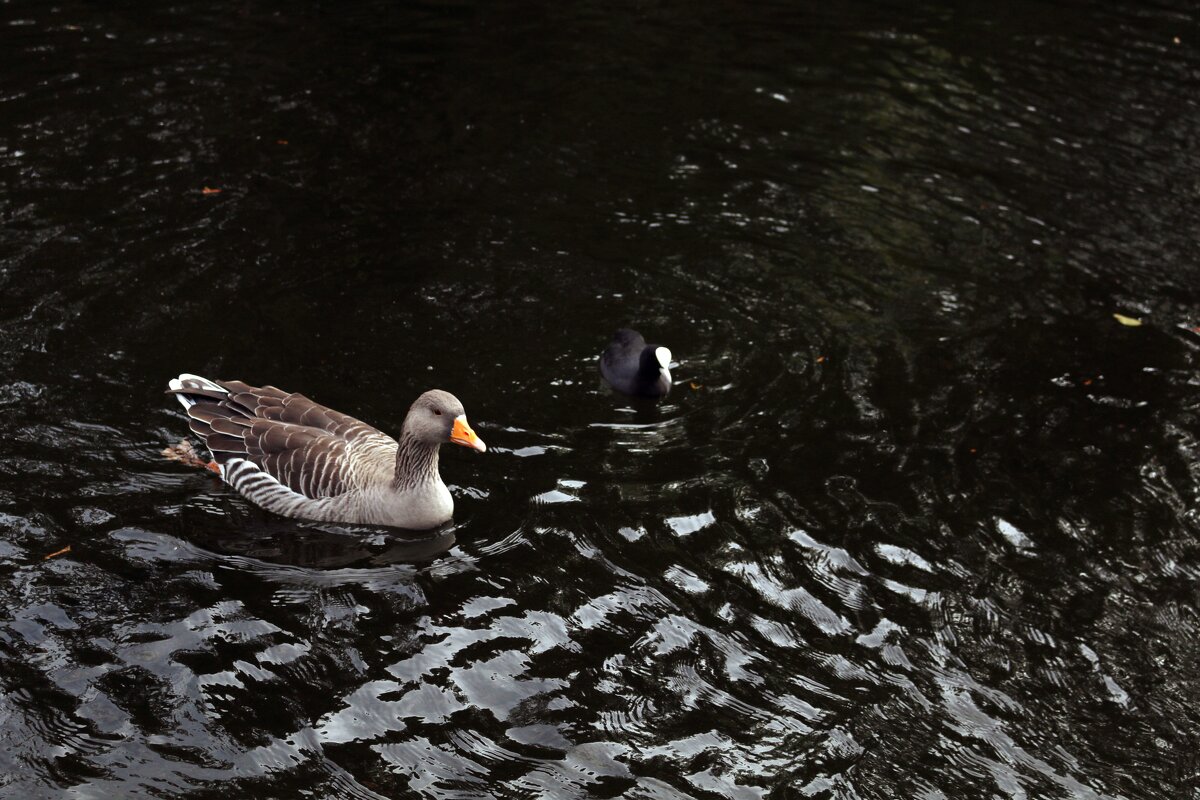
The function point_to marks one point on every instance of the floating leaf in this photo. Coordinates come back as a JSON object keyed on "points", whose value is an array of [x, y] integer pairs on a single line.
{"points": [[1132, 322], [820, 359], [694, 385], [66, 549], [210, 190]]}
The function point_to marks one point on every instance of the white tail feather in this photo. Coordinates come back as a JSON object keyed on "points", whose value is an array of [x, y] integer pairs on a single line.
{"points": [[186, 380]]}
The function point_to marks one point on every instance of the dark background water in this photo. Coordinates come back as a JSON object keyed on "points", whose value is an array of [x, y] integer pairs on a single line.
{"points": [[919, 521]]}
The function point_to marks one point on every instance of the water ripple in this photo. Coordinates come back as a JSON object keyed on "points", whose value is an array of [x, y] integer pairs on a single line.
{"points": [[918, 519]]}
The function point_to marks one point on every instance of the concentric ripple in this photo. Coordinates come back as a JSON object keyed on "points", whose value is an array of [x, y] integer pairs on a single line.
{"points": [[918, 518]]}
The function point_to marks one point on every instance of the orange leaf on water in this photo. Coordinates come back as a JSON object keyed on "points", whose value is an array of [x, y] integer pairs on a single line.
{"points": [[66, 549], [210, 190]]}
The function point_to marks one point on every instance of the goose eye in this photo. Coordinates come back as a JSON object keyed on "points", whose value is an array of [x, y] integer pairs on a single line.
{"points": [[437, 411]]}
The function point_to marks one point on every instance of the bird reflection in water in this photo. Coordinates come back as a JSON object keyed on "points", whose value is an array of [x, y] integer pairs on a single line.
{"points": [[327, 546]]}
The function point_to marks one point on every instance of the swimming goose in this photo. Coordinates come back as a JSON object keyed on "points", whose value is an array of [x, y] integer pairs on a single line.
{"points": [[634, 367], [300, 459]]}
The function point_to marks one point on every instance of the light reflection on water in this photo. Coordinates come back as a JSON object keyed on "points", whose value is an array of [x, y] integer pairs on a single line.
{"points": [[918, 519]]}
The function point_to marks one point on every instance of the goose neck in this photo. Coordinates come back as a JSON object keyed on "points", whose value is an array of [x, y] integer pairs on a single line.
{"points": [[416, 462]]}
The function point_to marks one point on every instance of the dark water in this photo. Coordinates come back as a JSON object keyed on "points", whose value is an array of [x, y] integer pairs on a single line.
{"points": [[919, 521]]}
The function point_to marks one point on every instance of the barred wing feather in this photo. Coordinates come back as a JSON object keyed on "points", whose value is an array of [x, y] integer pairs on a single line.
{"points": [[314, 451]]}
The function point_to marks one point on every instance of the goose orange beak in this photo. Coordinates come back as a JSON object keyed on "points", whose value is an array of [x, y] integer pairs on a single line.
{"points": [[462, 434]]}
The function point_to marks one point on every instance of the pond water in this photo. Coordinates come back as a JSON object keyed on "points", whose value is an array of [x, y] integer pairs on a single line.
{"points": [[919, 520]]}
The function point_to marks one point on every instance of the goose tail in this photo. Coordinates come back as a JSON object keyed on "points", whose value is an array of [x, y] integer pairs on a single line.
{"points": [[188, 389]]}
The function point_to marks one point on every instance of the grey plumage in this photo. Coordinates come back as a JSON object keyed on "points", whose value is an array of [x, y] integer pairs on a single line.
{"points": [[298, 458]]}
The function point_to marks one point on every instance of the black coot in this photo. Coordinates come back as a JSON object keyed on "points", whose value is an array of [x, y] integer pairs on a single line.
{"points": [[634, 367]]}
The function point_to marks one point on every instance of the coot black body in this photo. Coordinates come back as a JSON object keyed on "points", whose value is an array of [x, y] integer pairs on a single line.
{"points": [[633, 367]]}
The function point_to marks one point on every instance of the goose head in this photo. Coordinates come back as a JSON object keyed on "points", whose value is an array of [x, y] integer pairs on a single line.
{"points": [[438, 417]]}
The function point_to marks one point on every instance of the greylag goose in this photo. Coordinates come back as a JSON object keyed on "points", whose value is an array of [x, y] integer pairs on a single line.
{"points": [[633, 367], [300, 459]]}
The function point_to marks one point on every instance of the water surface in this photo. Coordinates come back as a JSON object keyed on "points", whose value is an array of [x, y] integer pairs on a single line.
{"points": [[920, 519]]}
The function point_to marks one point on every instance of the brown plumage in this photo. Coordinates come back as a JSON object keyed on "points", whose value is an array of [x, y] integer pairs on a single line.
{"points": [[296, 457]]}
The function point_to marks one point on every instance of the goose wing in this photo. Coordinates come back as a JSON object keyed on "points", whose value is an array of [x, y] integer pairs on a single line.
{"points": [[267, 402], [313, 450]]}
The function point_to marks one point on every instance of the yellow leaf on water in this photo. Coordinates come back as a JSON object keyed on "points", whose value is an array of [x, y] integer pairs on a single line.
{"points": [[1124, 320]]}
